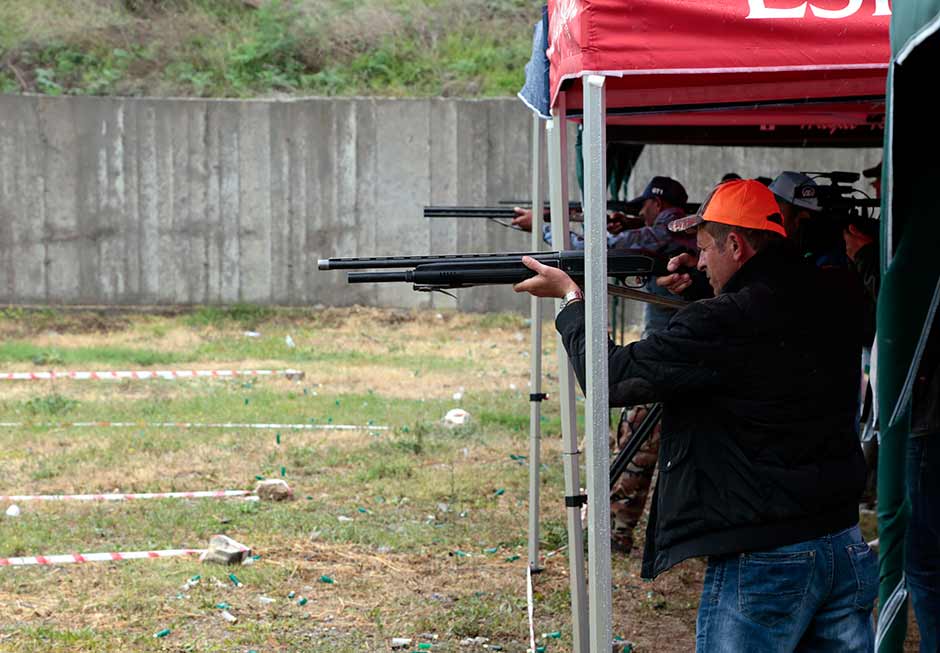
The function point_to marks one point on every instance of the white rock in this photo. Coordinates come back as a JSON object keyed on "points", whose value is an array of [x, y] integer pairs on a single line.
{"points": [[470, 641], [252, 334], [226, 551], [456, 417], [289, 342], [13, 510], [274, 489]]}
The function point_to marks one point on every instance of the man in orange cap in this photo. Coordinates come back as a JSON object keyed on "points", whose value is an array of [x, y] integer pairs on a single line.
{"points": [[760, 466]]}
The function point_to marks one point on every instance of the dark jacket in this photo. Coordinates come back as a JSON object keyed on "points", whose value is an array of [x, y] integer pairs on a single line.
{"points": [[868, 267], [925, 398], [759, 388]]}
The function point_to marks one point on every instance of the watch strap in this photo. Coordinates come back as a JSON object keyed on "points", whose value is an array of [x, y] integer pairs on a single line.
{"points": [[572, 296]]}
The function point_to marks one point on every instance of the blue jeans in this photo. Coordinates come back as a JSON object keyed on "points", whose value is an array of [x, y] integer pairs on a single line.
{"points": [[922, 564], [812, 596]]}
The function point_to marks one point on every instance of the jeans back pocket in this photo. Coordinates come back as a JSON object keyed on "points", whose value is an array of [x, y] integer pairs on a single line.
{"points": [[772, 586], [865, 563]]}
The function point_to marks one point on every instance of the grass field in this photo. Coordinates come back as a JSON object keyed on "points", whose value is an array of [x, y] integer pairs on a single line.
{"points": [[432, 540], [252, 48]]}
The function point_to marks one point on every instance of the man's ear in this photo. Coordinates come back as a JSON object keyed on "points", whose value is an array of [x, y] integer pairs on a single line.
{"points": [[737, 245]]}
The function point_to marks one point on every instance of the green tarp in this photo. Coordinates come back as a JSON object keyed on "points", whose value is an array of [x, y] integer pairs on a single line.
{"points": [[910, 241]]}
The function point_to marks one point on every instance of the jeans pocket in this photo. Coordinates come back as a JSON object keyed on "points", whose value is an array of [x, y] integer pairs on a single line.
{"points": [[772, 585], [865, 563]]}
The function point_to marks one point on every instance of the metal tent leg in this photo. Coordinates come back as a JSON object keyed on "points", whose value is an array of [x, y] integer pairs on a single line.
{"points": [[558, 188], [535, 357], [597, 408]]}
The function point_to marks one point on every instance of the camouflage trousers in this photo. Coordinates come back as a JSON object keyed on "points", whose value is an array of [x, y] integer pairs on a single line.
{"points": [[628, 495]]}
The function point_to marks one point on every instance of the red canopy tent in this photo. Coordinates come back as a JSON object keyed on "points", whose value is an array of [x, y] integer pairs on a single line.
{"points": [[818, 65], [769, 72]]}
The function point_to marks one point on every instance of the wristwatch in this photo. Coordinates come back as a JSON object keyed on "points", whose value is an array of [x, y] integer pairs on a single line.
{"points": [[572, 296]]}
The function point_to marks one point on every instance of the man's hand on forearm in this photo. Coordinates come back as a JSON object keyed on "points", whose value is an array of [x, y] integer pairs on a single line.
{"points": [[678, 282], [523, 218], [548, 282], [618, 222]]}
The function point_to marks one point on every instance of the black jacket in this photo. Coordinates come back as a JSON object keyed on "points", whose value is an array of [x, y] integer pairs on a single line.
{"points": [[925, 399], [759, 388]]}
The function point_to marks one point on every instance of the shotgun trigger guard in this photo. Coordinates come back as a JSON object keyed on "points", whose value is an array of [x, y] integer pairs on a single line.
{"points": [[422, 288]]}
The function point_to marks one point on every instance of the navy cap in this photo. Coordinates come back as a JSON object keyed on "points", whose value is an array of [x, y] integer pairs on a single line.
{"points": [[665, 189]]}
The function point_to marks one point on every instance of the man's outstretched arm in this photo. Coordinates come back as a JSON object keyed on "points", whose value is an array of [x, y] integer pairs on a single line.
{"points": [[552, 282], [654, 369]]}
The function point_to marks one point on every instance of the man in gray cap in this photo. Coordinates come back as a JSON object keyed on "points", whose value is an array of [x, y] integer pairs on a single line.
{"points": [[796, 194]]}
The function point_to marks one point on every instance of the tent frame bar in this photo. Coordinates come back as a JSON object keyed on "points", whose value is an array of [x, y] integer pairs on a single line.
{"points": [[561, 240], [597, 404], [725, 106], [535, 352]]}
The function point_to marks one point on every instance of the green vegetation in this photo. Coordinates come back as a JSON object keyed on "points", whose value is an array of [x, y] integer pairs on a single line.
{"points": [[20, 351], [232, 48], [247, 316]]}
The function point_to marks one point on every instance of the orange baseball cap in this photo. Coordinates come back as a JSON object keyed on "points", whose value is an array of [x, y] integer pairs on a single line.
{"points": [[743, 203]]}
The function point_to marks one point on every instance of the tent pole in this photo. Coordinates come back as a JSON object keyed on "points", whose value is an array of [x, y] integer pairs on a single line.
{"points": [[558, 189], [535, 354], [597, 407]]}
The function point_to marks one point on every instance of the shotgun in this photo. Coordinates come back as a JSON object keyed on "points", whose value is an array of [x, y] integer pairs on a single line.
{"points": [[428, 273]]}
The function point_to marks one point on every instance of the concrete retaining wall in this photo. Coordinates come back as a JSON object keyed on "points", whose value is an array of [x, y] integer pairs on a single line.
{"points": [[175, 201]]}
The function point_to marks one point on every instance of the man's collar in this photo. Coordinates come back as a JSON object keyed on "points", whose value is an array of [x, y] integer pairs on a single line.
{"points": [[775, 259], [669, 214]]}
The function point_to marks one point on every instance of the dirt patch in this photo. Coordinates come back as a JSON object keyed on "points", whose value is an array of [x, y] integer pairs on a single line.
{"points": [[25, 323], [177, 339], [405, 384]]}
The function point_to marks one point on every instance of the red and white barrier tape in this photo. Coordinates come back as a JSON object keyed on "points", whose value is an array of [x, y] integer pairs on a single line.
{"points": [[74, 558], [194, 425], [113, 496], [530, 607], [145, 374]]}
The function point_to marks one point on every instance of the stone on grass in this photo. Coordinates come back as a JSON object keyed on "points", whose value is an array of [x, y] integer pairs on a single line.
{"points": [[456, 417], [224, 550], [274, 489]]}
